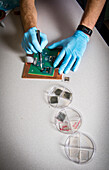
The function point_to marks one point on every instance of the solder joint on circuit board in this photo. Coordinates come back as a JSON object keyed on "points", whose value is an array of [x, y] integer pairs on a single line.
{"points": [[48, 58]]}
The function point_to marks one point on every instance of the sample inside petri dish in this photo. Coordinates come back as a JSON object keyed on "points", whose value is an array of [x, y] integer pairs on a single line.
{"points": [[79, 148], [68, 120], [59, 96]]}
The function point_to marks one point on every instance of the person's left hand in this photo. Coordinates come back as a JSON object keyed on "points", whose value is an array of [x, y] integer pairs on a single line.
{"points": [[72, 51]]}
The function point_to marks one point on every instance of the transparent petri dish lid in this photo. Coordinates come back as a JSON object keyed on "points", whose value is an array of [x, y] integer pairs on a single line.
{"points": [[59, 96], [79, 148], [68, 120]]}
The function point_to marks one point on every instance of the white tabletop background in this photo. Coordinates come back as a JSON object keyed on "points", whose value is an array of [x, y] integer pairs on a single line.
{"points": [[28, 138]]}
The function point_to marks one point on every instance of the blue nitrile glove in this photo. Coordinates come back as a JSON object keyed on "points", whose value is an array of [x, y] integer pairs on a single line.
{"points": [[30, 42], [73, 50]]}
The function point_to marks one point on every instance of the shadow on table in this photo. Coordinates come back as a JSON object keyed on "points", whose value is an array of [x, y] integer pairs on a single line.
{"points": [[12, 39], [12, 158]]}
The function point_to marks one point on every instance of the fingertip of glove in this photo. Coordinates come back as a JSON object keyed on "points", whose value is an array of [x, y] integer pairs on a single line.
{"points": [[29, 52], [39, 49], [60, 71], [49, 47], [54, 65], [74, 69], [66, 72]]}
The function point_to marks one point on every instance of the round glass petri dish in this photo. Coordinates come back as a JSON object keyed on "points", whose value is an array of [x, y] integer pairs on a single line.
{"points": [[79, 148], [68, 120], [59, 96]]}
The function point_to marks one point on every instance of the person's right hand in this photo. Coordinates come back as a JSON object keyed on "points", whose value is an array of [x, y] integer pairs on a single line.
{"points": [[30, 42]]}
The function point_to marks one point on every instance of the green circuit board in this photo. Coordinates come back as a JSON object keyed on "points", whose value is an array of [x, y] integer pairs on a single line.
{"points": [[48, 57]]}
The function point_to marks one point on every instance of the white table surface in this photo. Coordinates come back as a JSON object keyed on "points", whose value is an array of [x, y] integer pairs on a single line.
{"points": [[28, 138]]}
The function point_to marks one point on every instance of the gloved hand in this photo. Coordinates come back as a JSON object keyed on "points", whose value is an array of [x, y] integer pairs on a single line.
{"points": [[30, 42], [73, 50]]}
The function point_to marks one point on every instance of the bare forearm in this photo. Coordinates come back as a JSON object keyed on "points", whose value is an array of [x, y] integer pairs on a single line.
{"points": [[28, 14], [92, 12]]}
